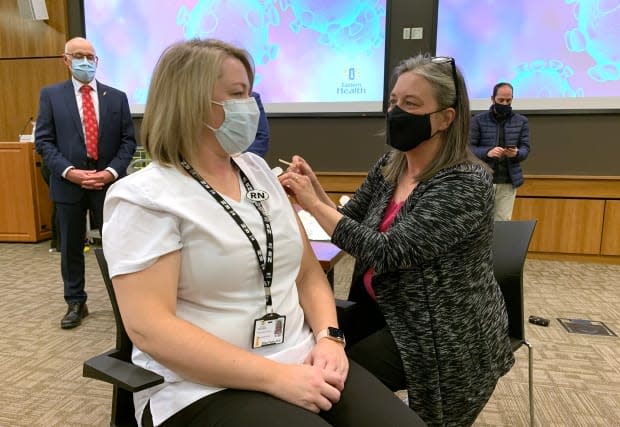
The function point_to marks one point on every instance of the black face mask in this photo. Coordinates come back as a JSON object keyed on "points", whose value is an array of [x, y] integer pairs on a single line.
{"points": [[502, 110], [405, 131]]}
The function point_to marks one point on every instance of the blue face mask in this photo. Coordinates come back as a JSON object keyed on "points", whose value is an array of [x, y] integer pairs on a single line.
{"points": [[238, 130], [83, 69]]}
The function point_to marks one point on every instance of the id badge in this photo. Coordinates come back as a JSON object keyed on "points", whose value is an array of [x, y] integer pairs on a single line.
{"points": [[268, 330]]}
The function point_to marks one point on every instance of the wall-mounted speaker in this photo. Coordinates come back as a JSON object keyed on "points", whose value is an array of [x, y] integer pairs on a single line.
{"points": [[33, 9]]}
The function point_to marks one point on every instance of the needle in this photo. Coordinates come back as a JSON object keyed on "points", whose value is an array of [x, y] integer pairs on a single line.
{"points": [[285, 162]]}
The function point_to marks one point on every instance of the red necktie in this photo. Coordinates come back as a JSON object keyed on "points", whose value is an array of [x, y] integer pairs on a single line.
{"points": [[90, 122]]}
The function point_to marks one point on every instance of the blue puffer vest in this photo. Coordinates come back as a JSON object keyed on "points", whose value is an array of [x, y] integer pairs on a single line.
{"points": [[484, 135]]}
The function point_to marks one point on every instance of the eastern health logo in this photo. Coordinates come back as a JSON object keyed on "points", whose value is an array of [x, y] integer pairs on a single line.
{"points": [[350, 84]]}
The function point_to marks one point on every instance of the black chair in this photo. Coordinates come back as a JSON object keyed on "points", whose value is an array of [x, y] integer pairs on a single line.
{"points": [[511, 241], [115, 367]]}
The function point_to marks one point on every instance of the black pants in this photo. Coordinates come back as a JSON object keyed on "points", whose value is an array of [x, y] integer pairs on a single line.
{"points": [[378, 354], [55, 242], [370, 343], [71, 219], [364, 402]]}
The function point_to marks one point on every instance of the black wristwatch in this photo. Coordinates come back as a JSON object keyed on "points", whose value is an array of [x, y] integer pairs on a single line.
{"points": [[331, 333]]}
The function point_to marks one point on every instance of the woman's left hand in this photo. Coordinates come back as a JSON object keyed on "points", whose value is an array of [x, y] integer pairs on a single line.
{"points": [[300, 187], [330, 356]]}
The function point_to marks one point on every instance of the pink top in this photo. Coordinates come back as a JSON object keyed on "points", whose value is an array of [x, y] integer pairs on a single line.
{"points": [[388, 219]]}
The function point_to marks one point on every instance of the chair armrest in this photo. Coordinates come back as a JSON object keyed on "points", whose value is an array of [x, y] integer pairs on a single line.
{"points": [[346, 312], [344, 306], [125, 375]]}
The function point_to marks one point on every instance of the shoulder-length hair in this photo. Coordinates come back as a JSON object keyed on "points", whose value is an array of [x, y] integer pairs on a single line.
{"points": [[181, 94], [446, 82]]}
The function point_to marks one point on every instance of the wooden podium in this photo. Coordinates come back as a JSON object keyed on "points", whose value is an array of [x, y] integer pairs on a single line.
{"points": [[25, 206]]}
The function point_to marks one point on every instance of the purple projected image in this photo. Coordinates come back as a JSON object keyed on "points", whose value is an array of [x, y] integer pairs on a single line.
{"points": [[311, 56], [559, 54]]}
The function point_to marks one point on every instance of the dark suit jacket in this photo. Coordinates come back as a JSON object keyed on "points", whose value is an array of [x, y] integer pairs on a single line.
{"points": [[59, 137]]}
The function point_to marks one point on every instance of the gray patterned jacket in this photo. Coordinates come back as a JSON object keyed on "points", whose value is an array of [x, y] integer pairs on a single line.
{"points": [[435, 286]]}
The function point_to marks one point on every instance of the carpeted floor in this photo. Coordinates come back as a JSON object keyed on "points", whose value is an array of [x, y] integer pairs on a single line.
{"points": [[577, 377]]}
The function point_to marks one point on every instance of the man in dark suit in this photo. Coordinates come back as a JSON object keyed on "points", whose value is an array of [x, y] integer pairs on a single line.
{"points": [[85, 135]]}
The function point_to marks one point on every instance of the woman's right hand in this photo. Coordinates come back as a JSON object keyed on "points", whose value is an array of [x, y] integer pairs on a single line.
{"points": [[300, 166], [305, 386]]}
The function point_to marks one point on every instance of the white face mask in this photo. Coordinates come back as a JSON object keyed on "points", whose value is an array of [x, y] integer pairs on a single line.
{"points": [[238, 130]]}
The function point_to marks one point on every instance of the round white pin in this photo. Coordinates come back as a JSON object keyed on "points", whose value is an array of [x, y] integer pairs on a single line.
{"points": [[257, 195]]}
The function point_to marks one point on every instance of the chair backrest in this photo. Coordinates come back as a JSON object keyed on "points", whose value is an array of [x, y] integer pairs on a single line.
{"points": [[511, 240], [123, 412], [123, 343]]}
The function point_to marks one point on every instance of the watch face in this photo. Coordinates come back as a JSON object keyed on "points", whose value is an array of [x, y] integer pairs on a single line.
{"points": [[336, 333]]}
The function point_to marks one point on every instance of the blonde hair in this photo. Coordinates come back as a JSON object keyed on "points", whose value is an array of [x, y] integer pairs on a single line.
{"points": [[455, 148], [180, 96]]}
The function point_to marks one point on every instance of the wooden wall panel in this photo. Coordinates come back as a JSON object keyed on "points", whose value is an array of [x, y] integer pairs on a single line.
{"points": [[611, 228], [564, 225], [578, 216], [25, 208], [581, 187], [16, 216], [338, 184], [21, 80], [24, 38], [30, 58]]}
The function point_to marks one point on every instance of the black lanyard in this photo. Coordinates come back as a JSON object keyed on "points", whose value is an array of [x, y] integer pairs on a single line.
{"points": [[265, 264]]}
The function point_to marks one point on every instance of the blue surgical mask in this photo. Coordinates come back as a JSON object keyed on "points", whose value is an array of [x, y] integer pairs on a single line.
{"points": [[83, 69], [238, 130]]}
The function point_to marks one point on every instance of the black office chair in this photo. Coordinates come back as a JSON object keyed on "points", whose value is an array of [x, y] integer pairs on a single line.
{"points": [[115, 367], [511, 241]]}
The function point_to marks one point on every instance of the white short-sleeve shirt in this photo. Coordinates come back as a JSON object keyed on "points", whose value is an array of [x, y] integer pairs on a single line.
{"points": [[158, 210]]}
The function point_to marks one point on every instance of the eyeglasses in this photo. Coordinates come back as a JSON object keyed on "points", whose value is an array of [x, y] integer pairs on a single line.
{"points": [[444, 60], [88, 57]]}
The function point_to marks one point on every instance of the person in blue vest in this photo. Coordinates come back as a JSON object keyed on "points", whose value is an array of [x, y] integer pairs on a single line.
{"points": [[501, 138]]}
